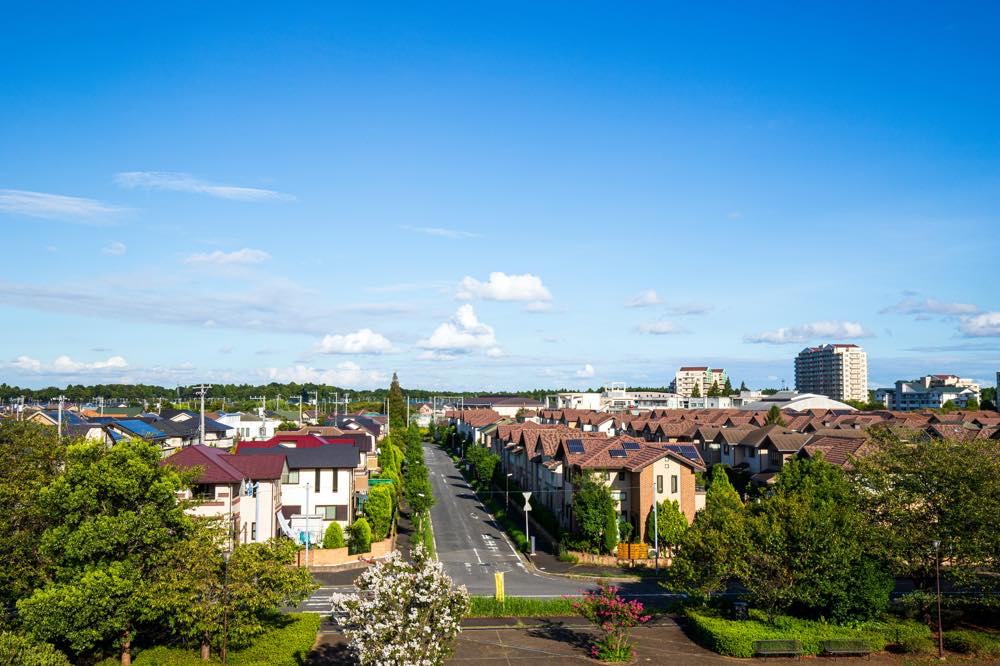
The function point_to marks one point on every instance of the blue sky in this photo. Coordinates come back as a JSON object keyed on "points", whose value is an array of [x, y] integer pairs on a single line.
{"points": [[496, 196]]}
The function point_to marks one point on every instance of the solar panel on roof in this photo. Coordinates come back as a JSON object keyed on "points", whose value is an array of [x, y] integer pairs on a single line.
{"points": [[631, 446], [141, 428], [618, 453], [575, 446], [686, 450]]}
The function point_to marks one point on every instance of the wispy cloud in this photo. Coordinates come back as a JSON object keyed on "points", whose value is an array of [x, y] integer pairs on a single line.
{"points": [[114, 248], [58, 207], [840, 330], [244, 257], [173, 181], [64, 365], [661, 328], [913, 305], [440, 232], [644, 299]]}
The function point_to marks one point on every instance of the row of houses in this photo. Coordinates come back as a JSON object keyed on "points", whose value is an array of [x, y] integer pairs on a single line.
{"points": [[659, 455]]}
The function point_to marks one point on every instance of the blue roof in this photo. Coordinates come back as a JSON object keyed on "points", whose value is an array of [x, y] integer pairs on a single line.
{"points": [[141, 428], [72, 418]]}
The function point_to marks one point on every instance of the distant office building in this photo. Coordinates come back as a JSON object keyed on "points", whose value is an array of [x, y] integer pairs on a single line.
{"points": [[840, 372], [929, 392], [688, 377]]}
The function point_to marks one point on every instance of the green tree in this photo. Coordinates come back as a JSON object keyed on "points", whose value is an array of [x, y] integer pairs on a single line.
{"points": [[972, 404], [334, 536], [361, 536], [727, 388], [813, 553], [774, 417], [671, 524], [610, 536], [397, 405], [696, 391], [713, 390], [419, 493], [743, 386], [31, 457], [378, 511], [111, 513], [948, 406], [713, 550], [591, 504], [940, 489], [287, 425]]}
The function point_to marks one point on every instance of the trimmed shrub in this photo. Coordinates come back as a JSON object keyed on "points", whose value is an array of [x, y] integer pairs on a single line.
{"points": [[916, 645], [378, 511], [334, 537], [735, 638], [361, 537], [16, 649], [979, 643]]}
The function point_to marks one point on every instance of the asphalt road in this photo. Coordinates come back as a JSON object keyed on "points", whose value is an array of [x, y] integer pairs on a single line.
{"points": [[473, 548]]}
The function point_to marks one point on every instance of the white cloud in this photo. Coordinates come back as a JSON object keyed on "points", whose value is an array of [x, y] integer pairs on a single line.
{"points": [[503, 287], [244, 257], [494, 352], [682, 309], [64, 365], [185, 182], [841, 330], [463, 333], [114, 248], [982, 325], [661, 328], [365, 341], [643, 299], [57, 207], [588, 371], [343, 374], [440, 232], [929, 306]]}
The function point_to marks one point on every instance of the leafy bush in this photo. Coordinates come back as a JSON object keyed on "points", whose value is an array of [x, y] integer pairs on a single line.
{"points": [[521, 607], [378, 511], [735, 638], [916, 645], [361, 536], [334, 537], [979, 643], [16, 649]]}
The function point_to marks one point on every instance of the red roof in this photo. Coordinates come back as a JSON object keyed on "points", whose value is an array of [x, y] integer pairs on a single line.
{"points": [[220, 466], [295, 441], [694, 367]]}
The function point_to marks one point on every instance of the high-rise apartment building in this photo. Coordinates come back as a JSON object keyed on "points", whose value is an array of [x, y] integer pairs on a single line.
{"points": [[840, 372], [701, 376]]}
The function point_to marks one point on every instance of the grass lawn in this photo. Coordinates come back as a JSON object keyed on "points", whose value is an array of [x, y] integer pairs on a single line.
{"points": [[281, 646], [521, 607], [735, 638]]}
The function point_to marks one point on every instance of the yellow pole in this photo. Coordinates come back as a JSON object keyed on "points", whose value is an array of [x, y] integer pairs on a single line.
{"points": [[498, 579]]}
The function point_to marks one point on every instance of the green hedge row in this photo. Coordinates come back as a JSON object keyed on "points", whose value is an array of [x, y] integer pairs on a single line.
{"points": [[289, 645], [735, 638], [521, 607], [972, 642]]}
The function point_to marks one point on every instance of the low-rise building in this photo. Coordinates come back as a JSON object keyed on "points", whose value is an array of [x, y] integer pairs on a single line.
{"points": [[701, 377], [928, 392]]}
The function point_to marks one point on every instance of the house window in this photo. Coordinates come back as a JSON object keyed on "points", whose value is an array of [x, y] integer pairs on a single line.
{"points": [[621, 476], [673, 483], [336, 474], [725, 449], [751, 452], [607, 475], [292, 476], [775, 457], [329, 512], [253, 531], [317, 480], [659, 483]]}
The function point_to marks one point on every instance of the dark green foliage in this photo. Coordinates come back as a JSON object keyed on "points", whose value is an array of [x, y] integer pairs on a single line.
{"points": [[696, 391], [378, 511], [483, 461], [360, 537], [20, 650], [521, 607], [979, 643], [671, 525], [334, 536], [287, 425], [774, 417], [610, 537], [30, 458], [727, 388], [972, 405], [591, 504], [397, 405], [713, 390]]}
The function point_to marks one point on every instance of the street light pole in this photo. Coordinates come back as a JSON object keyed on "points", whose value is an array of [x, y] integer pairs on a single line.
{"points": [[506, 491], [656, 531], [224, 652], [937, 576]]}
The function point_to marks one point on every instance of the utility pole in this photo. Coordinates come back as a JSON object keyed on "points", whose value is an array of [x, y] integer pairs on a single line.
{"points": [[308, 538], [202, 389], [61, 398]]}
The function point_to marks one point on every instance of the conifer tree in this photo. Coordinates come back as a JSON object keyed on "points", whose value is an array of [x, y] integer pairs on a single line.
{"points": [[397, 405], [696, 391]]}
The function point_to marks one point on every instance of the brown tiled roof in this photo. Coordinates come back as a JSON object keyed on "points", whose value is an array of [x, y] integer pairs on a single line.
{"points": [[782, 439], [219, 466], [836, 450]]}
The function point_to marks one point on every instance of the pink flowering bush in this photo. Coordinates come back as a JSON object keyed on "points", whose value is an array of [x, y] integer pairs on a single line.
{"points": [[615, 617]]}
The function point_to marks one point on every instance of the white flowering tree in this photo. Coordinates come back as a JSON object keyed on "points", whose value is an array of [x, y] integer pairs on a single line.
{"points": [[405, 613]]}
